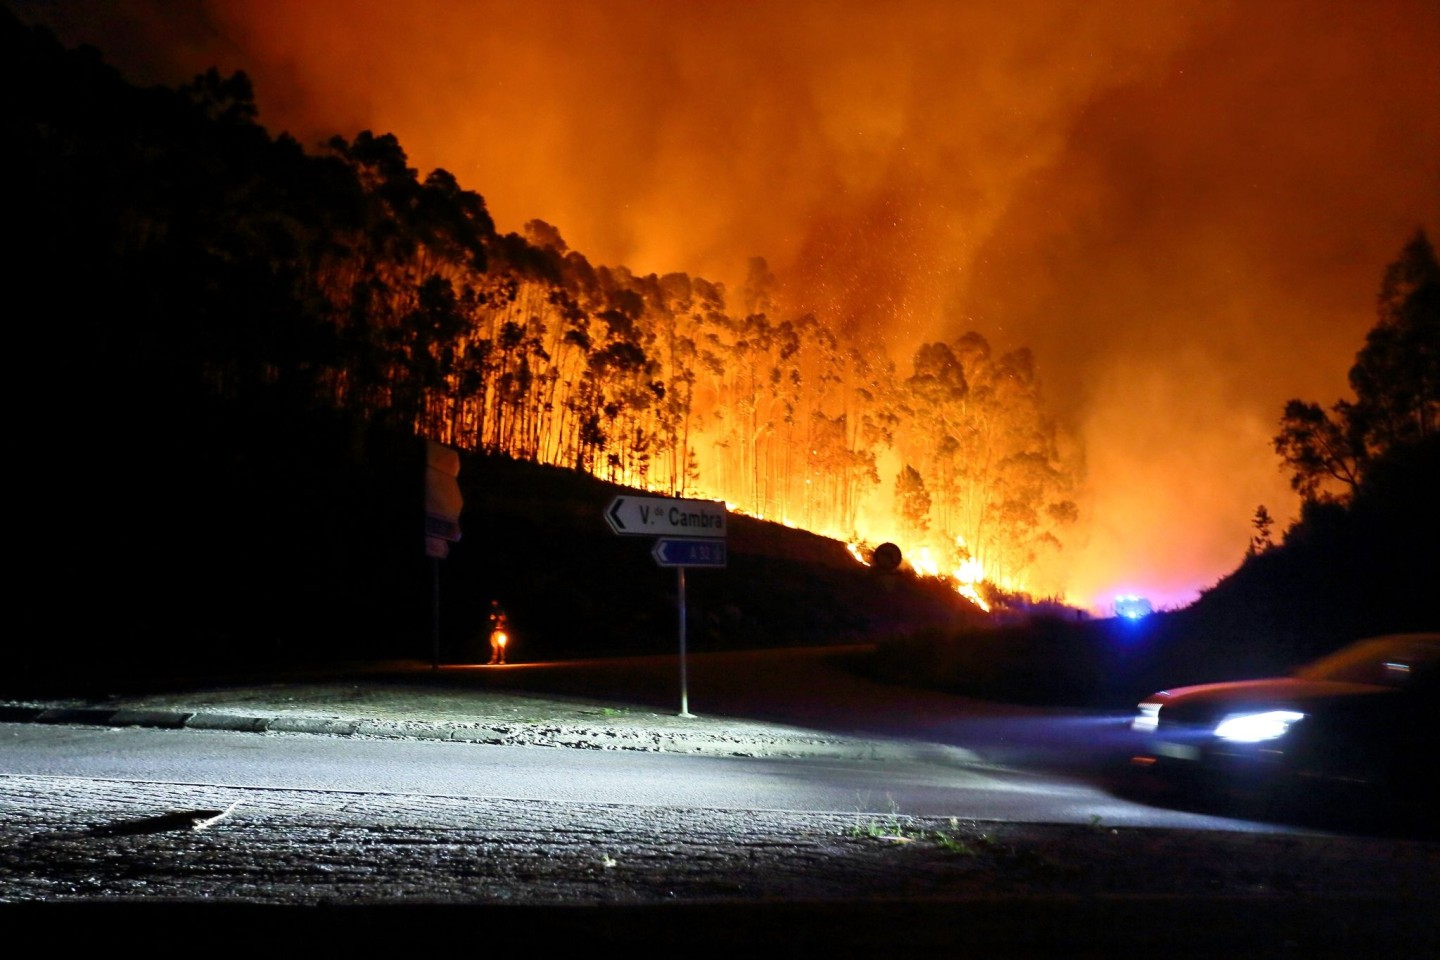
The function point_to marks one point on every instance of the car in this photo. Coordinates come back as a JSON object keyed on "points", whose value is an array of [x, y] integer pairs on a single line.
{"points": [[1360, 725]]}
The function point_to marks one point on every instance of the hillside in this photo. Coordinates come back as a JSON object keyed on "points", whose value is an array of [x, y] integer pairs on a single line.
{"points": [[232, 537], [274, 539], [535, 537]]}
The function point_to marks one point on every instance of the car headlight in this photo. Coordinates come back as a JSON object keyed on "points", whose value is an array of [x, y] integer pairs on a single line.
{"points": [[1147, 719], [1254, 727]]}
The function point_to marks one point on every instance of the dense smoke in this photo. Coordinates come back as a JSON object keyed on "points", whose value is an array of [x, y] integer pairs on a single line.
{"points": [[1184, 209]]}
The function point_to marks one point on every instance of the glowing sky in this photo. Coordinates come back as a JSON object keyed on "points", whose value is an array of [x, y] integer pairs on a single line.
{"points": [[1183, 208]]}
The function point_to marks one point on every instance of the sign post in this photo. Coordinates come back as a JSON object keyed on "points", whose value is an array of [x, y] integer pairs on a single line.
{"points": [[680, 602], [698, 528]]}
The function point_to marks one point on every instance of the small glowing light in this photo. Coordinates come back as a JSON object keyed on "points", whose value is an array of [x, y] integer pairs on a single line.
{"points": [[1132, 607], [1254, 727]]}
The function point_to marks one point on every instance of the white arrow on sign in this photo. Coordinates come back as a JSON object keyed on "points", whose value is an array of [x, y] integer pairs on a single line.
{"points": [[662, 516]]}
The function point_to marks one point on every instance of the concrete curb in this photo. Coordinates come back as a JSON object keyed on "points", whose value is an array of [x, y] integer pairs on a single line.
{"points": [[149, 718], [226, 721], [323, 725], [421, 731], [84, 716]]}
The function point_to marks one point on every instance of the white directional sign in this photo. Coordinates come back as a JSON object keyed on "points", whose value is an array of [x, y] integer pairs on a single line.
{"points": [[669, 552], [661, 516]]}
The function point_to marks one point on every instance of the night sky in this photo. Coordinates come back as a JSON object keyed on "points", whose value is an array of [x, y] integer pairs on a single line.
{"points": [[1184, 208]]}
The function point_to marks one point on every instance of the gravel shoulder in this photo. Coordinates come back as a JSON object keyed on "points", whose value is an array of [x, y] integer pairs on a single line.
{"points": [[372, 859]]}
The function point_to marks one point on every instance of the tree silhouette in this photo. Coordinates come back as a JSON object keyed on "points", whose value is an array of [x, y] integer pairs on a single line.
{"points": [[1261, 540], [1396, 382]]}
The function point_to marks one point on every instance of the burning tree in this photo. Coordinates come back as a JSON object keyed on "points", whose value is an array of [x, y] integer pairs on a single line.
{"points": [[977, 425]]}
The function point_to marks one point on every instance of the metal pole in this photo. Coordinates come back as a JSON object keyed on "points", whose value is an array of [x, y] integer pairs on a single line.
{"points": [[684, 693]]}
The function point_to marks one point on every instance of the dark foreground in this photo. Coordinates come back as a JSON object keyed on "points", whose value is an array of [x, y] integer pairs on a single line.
{"points": [[1005, 927]]}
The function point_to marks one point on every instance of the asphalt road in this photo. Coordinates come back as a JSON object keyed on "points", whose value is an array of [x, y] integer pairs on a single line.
{"points": [[928, 781]]}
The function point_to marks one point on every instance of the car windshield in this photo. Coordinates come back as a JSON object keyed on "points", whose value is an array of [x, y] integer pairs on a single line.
{"points": [[1383, 661]]}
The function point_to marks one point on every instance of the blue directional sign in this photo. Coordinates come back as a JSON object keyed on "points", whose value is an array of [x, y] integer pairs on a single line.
{"points": [[669, 552]]}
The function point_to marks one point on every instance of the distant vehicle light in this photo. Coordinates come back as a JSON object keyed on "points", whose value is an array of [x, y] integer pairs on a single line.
{"points": [[1132, 607], [1254, 727]]}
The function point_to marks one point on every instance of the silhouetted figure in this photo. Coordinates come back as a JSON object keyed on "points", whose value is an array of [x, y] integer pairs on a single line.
{"points": [[499, 632]]}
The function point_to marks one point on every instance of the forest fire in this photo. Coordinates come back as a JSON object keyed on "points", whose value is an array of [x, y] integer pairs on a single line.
{"points": [[966, 577], [791, 423], [920, 272]]}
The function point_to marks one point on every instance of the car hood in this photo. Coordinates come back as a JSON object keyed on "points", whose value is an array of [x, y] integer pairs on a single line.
{"points": [[1272, 692]]}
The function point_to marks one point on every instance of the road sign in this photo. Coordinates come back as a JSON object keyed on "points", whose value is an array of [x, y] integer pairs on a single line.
{"points": [[442, 499], [670, 552], [661, 516], [886, 556], [442, 528]]}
